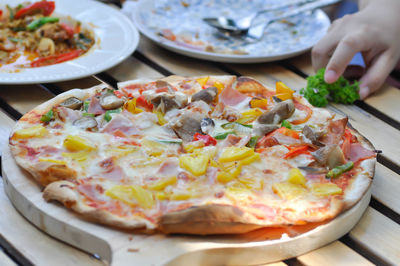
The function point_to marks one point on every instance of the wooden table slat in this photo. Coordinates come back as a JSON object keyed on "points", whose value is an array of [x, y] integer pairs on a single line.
{"points": [[131, 68], [6, 124], [385, 187], [328, 255], [5, 260], [379, 235], [37, 247]]}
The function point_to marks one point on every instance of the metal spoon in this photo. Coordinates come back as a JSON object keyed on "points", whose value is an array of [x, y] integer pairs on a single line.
{"points": [[244, 25]]}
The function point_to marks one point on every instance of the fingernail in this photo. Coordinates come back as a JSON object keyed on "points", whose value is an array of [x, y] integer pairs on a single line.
{"points": [[330, 76], [364, 92]]}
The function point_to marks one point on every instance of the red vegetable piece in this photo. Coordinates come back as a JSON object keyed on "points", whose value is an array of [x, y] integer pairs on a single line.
{"points": [[142, 102], [43, 7], [207, 139], [293, 152], [55, 59], [70, 31]]}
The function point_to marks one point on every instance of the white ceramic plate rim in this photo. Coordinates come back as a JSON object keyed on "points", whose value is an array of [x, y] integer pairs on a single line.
{"points": [[227, 58], [116, 39]]}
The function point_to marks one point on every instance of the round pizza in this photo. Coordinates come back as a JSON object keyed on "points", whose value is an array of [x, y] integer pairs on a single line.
{"points": [[194, 155]]}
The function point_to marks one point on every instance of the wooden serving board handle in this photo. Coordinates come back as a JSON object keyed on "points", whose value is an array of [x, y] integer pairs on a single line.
{"points": [[118, 247]]}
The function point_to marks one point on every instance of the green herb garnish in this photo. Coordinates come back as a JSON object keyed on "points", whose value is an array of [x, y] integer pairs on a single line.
{"points": [[224, 135], [86, 104], [286, 124], [40, 22], [318, 92], [15, 40], [11, 12], [252, 142]]}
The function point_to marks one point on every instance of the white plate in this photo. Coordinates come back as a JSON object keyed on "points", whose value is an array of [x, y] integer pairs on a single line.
{"points": [[116, 39], [280, 41]]}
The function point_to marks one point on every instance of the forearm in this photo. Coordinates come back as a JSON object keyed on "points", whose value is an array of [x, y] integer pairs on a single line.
{"points": [[362, 4]]}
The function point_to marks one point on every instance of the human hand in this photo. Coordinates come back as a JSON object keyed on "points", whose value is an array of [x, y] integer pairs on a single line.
{"points": [[374, 31]]}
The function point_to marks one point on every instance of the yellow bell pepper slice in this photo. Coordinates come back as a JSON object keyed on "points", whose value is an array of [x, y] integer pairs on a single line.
{"points": [[132, 195], [259, 103], [249, 116], [281, 87], [284, 96], [163, 183], [196, 164], [37, 131], [325, 189], [288, 191], [296, 177], [230, 154], [219, 86], [160, 116], [202, 81], [130, 106], [76, 143]]}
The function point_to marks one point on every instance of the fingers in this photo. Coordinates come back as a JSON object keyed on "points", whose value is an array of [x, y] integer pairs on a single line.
{"points": [[322, 51], [344, 52], [377, 73]]}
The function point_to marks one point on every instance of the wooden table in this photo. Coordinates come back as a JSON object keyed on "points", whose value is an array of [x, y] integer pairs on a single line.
{"points": [[374, 240]]}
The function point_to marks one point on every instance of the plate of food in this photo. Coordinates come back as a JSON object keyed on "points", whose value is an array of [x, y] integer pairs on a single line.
{"points": [[178, 26], [48, 41]]}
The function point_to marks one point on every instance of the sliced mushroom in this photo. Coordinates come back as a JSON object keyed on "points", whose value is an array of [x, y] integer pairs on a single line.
{"points": [[262, 129], [276, 99], [85, 122], [207, 95], [279, 112], [109, 101], [330, 156], [207, 125], [163, 84], [164, 102], [310, 135], [187, 125], [72, 103]]}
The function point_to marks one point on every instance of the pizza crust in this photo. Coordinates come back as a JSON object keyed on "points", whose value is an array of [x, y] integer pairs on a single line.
{"points": [[63, 192]]}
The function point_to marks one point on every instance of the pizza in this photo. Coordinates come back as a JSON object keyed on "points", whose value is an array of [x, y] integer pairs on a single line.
{"points": [[194, 155], [32, 36]]}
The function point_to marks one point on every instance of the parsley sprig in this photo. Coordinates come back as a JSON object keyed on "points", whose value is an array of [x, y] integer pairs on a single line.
{"points": [[318, 92]]}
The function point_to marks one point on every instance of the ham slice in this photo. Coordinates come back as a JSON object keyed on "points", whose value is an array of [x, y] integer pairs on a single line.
{"points": [[358, 152], [169, 168], [95, 107], [336, 130], [115, 174], [66, 114], [121, 123], [232, 97]]}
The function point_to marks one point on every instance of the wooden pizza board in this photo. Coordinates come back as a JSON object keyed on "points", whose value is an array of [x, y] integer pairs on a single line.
{"points": [[118, 247]]}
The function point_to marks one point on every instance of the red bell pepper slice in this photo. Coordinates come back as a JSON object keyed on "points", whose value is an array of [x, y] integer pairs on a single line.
{"points": [[43, 7], [293, 152], [55, 59], [207, 139], [142, 102], [288, 132]]}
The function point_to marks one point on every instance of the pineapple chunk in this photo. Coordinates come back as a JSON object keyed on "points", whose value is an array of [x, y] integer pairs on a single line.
{"points": [[239, 194], [78, 156], [224, 177], [180, 196], [235, 153], [76, 143], [288, 191], [325, 189], [259, 103], [192, 146], [153, 148], [250, 159], [296, 177], [132, 195], [252, 183], [163, 183], [43, 159], [37, 131], [161, 195], [196, 164]]}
